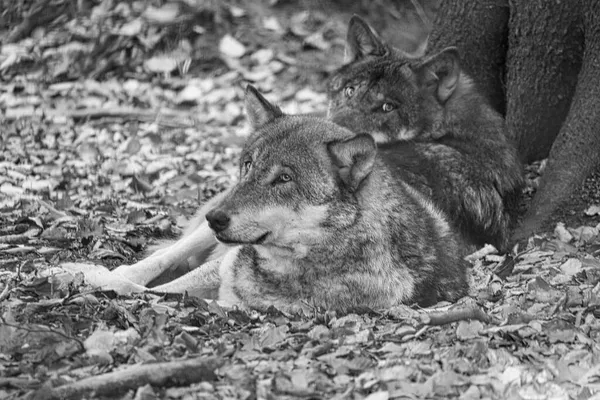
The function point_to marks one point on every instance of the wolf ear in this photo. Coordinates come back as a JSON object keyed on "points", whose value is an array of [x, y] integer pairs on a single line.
{"points": [[440, 73], [259, 110], [362, 41], [354, 158]]}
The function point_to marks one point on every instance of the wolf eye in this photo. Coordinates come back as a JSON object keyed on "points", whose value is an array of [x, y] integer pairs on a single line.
{"points": [[283, 178], [348, 91], [387, 107], [247, 166]]}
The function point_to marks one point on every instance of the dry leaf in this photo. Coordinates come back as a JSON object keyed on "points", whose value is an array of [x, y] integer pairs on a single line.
{"points": [[231, 47]]}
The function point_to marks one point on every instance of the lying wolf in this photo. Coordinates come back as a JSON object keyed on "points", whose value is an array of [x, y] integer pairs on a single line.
{"points": [[430, 101], [318, 217]]}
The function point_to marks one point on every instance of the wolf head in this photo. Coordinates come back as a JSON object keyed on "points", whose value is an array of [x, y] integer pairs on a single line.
{"points": [[389, 93], [299, 177]]}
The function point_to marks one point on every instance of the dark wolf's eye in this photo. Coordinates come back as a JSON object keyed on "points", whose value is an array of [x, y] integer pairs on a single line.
{"points": [[247, 166], [348, 91], [387, 107], [283, 178]]}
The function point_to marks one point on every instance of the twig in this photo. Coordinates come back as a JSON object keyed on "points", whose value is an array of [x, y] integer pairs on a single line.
{"points": [[20, 238], [22, 383], [28, 329], [171, 373], [164, 117], [465, 310], [5, 291], [124, 112], [41, 13], [55, 213], [174, 117]]}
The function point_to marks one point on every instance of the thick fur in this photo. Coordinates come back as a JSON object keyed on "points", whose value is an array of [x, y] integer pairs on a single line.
{"points": [[460, 141], [319, 217], [343, 233]]}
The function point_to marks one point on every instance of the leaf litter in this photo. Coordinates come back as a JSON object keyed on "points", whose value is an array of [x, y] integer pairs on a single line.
{"points": [[120, 122]]}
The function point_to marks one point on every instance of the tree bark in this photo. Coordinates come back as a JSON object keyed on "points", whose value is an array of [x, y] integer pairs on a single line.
{"points": [[550, 51], [544, 57], [480, 31], [576, 150]]}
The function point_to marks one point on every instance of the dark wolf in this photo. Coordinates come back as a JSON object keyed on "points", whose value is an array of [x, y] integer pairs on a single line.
{"points": [[457, 137]]}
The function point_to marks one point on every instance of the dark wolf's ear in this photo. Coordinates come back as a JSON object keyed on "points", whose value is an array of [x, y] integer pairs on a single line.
{"points": [[362, 41], [259, 110], [440, 73], [354, 158]]}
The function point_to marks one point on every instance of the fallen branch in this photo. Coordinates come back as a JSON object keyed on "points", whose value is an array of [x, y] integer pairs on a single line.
{"points": [[41, 14], [56, 214], [181, 117], [163, 116], [20, 238], [5, 291], [21, 383], [180, 373], [464, 310]]}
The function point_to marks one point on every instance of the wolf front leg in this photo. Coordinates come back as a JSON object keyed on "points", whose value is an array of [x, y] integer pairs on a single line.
{"points": [[193, 247], [188, 247], [203, 282]]}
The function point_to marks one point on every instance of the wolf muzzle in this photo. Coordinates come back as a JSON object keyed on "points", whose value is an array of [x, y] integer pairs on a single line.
{"points": [[218, 220]]}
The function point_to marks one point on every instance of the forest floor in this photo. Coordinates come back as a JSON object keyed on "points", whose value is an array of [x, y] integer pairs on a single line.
{"points": [[118, 119]]}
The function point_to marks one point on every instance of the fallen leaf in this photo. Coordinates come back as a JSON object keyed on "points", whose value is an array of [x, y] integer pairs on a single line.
{"points": [[571, 267], [562, 233], [189, 94], [592, 210], [161, 64], [271, 23], [231, 47], [468, 329], [584, 234], [270, 335], [131, 28], [380, 395], [167, 14]]}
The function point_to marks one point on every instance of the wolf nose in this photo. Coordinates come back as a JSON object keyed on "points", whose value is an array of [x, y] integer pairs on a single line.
{"points": [[217, 220]]}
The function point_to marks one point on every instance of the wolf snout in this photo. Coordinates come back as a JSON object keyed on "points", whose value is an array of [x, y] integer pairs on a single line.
{"points": [[218, 220]]}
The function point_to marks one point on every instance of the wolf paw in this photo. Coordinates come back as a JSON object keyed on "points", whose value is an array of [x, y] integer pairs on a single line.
{"points": [[99, 276]]}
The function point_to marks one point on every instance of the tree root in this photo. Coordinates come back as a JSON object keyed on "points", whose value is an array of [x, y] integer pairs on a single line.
{"points": [[181, 373]]}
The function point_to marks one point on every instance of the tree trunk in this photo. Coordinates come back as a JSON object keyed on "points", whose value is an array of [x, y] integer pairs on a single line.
{"points": [[544, 57], [550, 51], [480, 31], [576, 150]]}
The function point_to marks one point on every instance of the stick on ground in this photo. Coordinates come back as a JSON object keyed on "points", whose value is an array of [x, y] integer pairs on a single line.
{"points": [[180, 373], [462, 311]]}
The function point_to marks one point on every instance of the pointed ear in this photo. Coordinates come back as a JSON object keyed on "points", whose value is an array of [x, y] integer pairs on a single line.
{"points": [[354, 158], [258, 109], [440, 73], [362, 41]]}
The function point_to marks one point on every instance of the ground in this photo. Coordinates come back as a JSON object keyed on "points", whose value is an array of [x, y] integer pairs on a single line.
{"points": [[119, 119]]}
